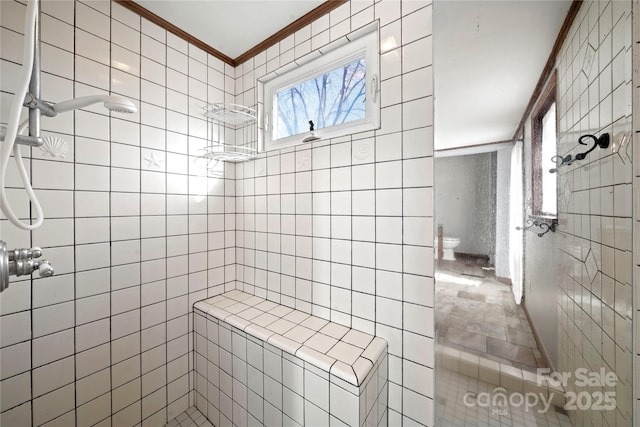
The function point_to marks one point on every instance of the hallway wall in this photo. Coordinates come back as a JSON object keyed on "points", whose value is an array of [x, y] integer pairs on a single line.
{"points": [[591, 292], [503, 180], [466, 201]]}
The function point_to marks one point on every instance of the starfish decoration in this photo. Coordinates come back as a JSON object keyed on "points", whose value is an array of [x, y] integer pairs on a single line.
{"points": [[154, 160], [304, 162]]}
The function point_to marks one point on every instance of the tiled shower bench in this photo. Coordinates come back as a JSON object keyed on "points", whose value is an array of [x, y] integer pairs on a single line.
{"points": [[262, 363]]}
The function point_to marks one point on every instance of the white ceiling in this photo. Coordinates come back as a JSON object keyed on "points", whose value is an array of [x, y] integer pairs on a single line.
{"points": [[231, 27], [488, 56]]}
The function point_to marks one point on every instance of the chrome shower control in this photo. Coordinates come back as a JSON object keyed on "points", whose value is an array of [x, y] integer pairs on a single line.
{"points": [[18, 262]]}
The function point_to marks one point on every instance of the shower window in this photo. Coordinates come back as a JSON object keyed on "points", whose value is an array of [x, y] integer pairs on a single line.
{"points": [[335, 87], [543, 148]]}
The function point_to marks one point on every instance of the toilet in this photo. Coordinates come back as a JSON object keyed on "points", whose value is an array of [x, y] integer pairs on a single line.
{"points": [[448, 245]]}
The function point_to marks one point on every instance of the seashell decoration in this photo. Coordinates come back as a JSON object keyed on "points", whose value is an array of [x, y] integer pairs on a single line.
{"points": [[363, 151], [54, 147]]}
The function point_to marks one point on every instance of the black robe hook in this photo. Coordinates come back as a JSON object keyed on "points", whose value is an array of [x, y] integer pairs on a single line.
{"points": [[602, 142]]}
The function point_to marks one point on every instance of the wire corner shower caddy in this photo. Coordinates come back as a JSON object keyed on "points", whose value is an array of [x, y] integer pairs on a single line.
{"points": [[232, 135]]}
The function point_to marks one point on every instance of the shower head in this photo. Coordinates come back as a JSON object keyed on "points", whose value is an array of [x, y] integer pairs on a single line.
{"points": [[114, 103]]}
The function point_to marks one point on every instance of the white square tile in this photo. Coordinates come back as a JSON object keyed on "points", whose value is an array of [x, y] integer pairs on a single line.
{"points": [[56, 61], [313, 414], [91, 46], [55, 232], [417, 25], [153, 71], [92, 256], [92, 308], [418, 348], [418, 319], [418, 260], [52, 347], [50, 377], [125, 180], [345, 352], [153, 49], [299, 334], [92, 73], [417, 84], [92, 151], [357, 338], [418, 202], [125, 228], [293, 405], [93, 360], [417, 407], [16, 359], [92, 334], [417, 54], [125, 252], [52, 175], [128, 85], [93, 386], [93, 21], [314, 323], [341, 178], [417, 113], [344, 405], [389, 257], [273, 392], [53, 404], [125, 60], [389, 202]]}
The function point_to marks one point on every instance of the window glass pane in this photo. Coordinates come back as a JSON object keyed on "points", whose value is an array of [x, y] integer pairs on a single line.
{"points": [[549, 201], [333, 98]]}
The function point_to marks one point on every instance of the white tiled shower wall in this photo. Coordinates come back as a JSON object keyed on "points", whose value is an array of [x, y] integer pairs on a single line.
{"points": [[343, 228], [596, 303], [594, 206], [134, 230]]}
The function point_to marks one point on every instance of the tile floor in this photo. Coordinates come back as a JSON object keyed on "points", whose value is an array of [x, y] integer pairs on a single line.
{"points": [[190, 418], [476, 313], [453, 410]]}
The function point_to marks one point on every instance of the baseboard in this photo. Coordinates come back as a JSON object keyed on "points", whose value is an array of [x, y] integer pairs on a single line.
{"points": [[504, 280], [472, 256], [543, 350]]}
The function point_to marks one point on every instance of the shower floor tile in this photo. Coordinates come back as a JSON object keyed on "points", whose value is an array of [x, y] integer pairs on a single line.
{"points": [[190, 418], [477, 314]]}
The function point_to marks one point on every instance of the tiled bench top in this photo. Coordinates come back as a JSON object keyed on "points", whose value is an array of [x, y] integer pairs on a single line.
{"points": [[346, 353]]}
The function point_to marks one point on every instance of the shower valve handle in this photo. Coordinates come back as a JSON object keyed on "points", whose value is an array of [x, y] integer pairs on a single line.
{"points": [[45, 269]]}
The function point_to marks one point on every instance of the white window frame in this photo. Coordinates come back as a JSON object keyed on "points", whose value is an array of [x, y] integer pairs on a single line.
{"points": [[342, 51]]}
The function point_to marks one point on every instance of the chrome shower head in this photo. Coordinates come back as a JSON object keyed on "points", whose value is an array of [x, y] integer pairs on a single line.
{"points": [[117, 104]]}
